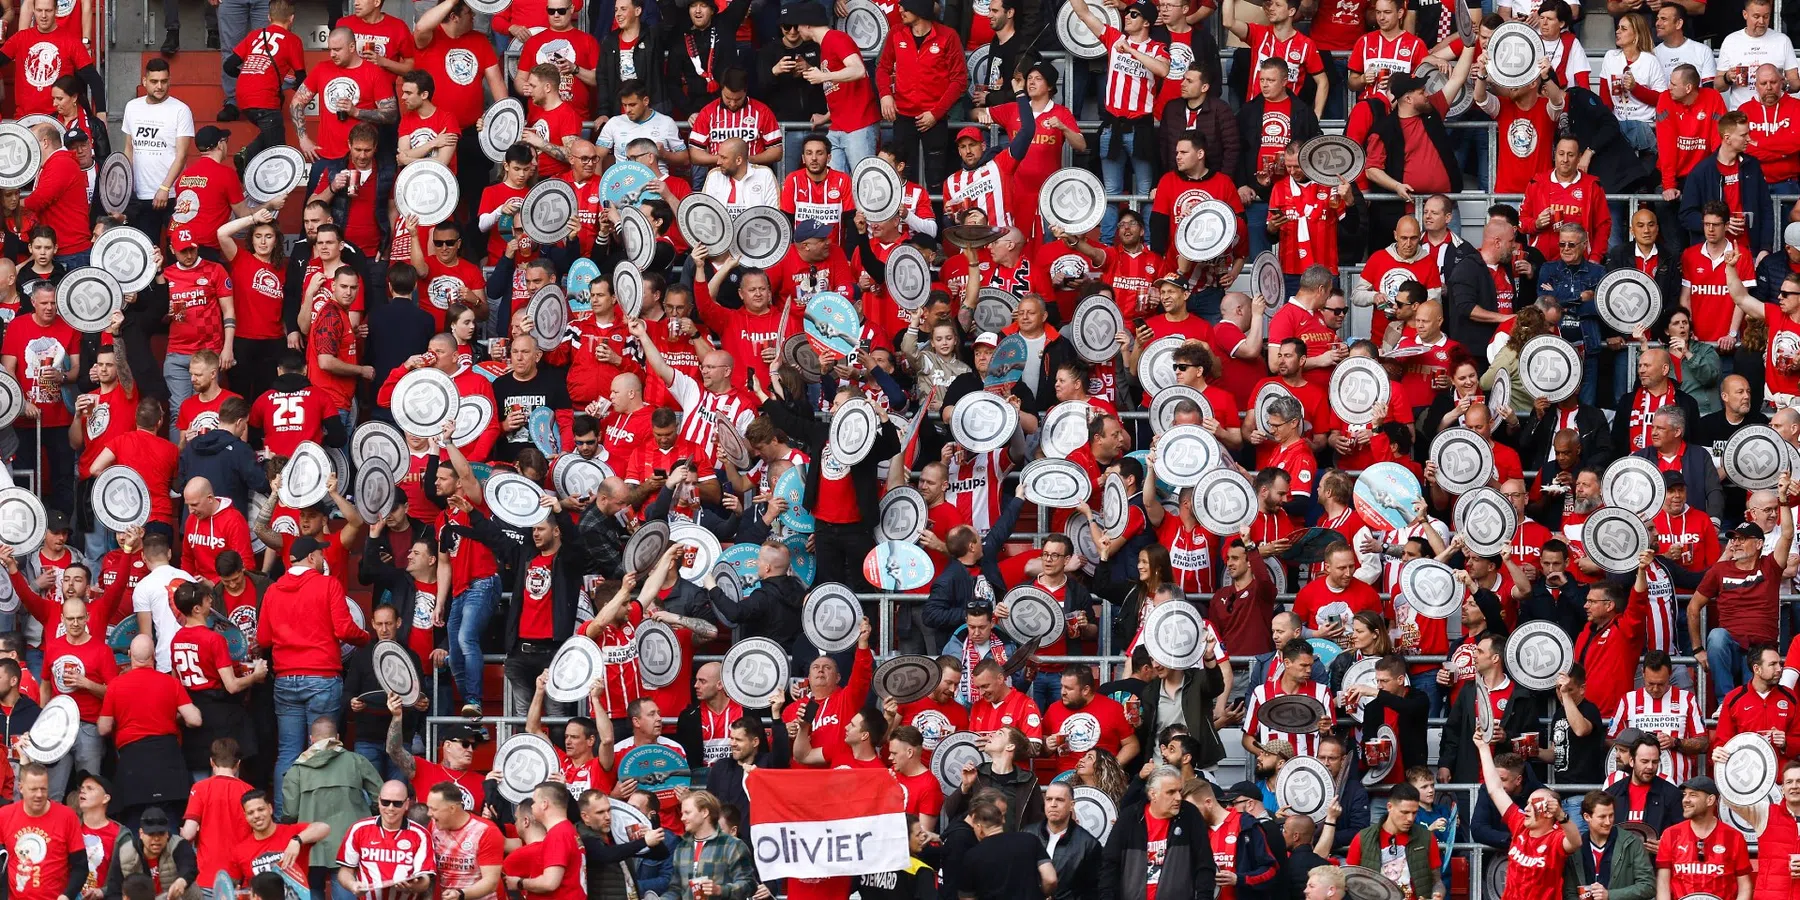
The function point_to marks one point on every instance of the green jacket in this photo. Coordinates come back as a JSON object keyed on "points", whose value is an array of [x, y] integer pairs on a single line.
{"points": [[333, 784], [1419, 844], [1633, 875]]}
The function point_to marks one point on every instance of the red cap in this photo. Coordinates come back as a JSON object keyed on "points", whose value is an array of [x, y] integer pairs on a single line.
{"points": [[971, 133], [182, 239]]}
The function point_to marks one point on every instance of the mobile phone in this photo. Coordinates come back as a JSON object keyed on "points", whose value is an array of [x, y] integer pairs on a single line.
{"points": [[660, 473]]}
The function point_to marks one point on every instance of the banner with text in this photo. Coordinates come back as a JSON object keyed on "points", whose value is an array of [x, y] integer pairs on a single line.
{"points": [[821, 823]]}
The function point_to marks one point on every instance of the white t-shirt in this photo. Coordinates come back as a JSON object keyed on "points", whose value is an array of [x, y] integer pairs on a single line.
{"points": [[1692, 52], [620, 131], [155, 595], [758, 187], [1740, 50], [154, 130], [1647, 70], [1034, 355]]}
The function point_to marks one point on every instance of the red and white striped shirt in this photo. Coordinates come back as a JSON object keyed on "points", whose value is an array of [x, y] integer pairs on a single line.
{"points": [[755, 125], [383, 858], [702, 410], [715, 730], [618, 650], [825, 202], [1130, 86], [1379, 58], [975, 486], [1677, 714], [984, 187], [1299, 52], [1304, 744]]}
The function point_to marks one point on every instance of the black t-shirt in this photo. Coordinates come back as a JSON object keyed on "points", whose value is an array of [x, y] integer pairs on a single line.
{"points": [[549, 387], [1578, 760], [1003, 867], [917, 881]]}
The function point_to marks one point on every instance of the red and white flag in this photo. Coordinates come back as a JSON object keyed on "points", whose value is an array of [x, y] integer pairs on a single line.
{"points": [[821, 823]]}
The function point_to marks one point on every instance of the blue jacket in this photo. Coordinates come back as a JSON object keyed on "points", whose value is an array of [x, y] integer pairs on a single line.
{"points": [[1573, 287], [229, 463], [1487, 826], [1704, 184]]}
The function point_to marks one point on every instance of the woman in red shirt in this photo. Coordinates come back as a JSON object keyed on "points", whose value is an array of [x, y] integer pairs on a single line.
{"points": [[258, 283]]}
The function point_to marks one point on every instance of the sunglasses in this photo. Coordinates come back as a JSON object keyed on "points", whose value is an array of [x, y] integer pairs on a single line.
{"points": [[1183, 367], [449, 243], [465, 743], [1339, 310], [393, 804], [559, 12], [1568, 245]]}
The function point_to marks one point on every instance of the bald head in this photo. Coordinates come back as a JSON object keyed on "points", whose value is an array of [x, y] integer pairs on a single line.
{"points": [[1785, 417], [143, 651], [1497, 240]]}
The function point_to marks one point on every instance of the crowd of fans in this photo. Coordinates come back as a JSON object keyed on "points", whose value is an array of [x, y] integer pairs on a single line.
{"points": [[231, 727]]}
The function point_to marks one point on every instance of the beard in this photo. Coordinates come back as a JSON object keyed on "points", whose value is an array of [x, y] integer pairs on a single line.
{"points": [[1585, 504], [1263, 772]]}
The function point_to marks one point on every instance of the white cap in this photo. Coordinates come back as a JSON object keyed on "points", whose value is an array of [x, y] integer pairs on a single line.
{"points": [[1791, 235], [991, 339]]}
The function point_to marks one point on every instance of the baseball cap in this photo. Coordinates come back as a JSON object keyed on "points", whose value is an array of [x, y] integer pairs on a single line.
{"points": [[1173, 278], [153, 821], [971, 133], [1702, 784], [209, 137], [305, 546], [56, 520], [1144, 9], [182, 239], [463, 733], [74, 136], [1746, 530], [1400, 84], [1673, 477], [809, 229], [1243, 790], [987, 339], [1791, 235]]}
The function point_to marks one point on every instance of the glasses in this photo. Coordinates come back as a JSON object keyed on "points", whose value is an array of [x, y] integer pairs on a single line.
{"points": [[1568, 245], [393, 804], [1183, 367], [1053, 555], [449, 243], [1337, 310], [587, 443], [465, 743], [563, 11], [588, 158], [1789, 293], [1130, 13]]}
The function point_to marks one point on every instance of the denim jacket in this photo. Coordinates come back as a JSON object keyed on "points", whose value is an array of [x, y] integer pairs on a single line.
{"points": [[1581, 315]]}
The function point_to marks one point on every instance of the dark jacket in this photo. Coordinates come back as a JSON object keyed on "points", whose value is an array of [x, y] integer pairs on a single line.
{"points": [[1566, 606], [1412, 710], [565, 578], [1621, 423], [1597, 447], [1615, 162], [228, 463], [1076, 858], [1392, 135], [1662, 806], [1199, 688], [324, 170], [1300, 863], [725, 778], [1668, 264], [1468, 286], [1456, 749], [771, 611], [1770, 273], [956, 585], [1024, 798], [1188, 870], [649, 57], [1632, 872], [1704, 184], [605, 537], [360, 681], [405, 331], [1217, 122], [1704, 491], [1303, 127], [608, 865], [718, 42], [299, 256], [1253, 861], [791, 97], [811, 434]]}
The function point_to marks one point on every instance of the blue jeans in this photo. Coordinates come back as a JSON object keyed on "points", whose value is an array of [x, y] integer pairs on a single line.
{"points": [[1640, 135], [237, 18], [851, 147], [299, 699], [1256, 219], [181, 388], [1725, 662], [1112, 175], [469, 614], [73, 260], [376, 753], [1046, 689]]}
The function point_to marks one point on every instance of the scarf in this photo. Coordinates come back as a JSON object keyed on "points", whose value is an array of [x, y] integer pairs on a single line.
{"points": [[996, 652]]}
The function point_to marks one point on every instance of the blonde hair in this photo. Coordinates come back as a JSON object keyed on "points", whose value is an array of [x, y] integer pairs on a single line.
{"points": [[1640, 32], [707, 801]]}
